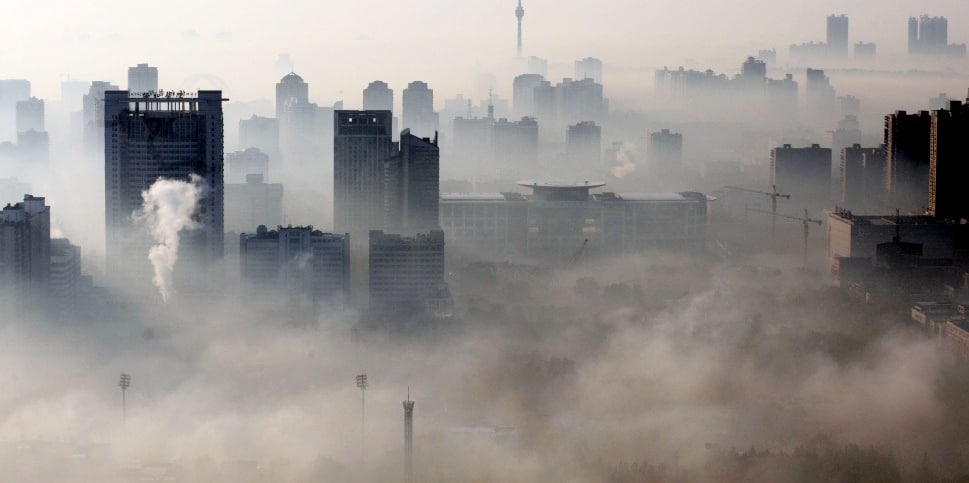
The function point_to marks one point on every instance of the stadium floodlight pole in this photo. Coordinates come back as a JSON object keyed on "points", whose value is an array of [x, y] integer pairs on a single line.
{"points": [[124, 384], [362, 385]]}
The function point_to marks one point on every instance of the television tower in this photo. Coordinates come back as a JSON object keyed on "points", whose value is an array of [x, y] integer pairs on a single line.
{"points": [[408, 439], [519, 12]]}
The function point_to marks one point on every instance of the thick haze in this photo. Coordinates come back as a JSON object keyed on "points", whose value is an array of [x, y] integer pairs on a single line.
{"points": [[340, 46]]}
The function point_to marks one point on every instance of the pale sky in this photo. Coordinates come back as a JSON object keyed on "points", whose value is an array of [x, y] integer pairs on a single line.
{"points": [[339, 46]]}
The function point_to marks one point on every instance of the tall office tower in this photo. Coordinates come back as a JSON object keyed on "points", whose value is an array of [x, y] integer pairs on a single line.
{"points": [[782, 98], [665, 151], [821, 96], [847, 135], [856, 193], [753, 74], [30, 115], [536, 65], [295, 265], [93, 118], [837, 38], [25, 254], [907, 171], [519, 13], [805, 173], [583, 144], [12, 91], [930, 35], [65, 278], [472, 139], [165, 137], [142, 78], [402, 269], [261, 133], [241, 164], [579, 101], [378, 97], [291, 89], [252, 203], [589, 68], [948, 171], [412, 186], [850, 105], [419, 115], [361, 145], [515, 142], [34, 147], [523, 94]]}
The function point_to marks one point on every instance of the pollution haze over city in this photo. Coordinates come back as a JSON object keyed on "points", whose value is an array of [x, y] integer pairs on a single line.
{"points": [[623, 241]]}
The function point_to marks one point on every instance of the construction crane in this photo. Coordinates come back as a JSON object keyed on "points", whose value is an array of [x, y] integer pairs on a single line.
{"points": [[806, 220], [579, 253], [773, 195]]}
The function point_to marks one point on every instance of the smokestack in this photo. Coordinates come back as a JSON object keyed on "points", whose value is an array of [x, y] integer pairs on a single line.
{"points": [[408, 439]]}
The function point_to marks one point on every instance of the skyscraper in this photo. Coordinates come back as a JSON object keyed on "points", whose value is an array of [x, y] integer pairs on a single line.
{"points": [[859, 188], [907, 147], [93, 117], [30, 115], [240, 164], [262, 133], [412, 186], [589, 68], [837, 38], [252, 203], [665, 151], [65, 278], [948, 151], [25, 254], [142, 78], [805, 173], [12, 91], [361, 145], [523, 94], [401, 269], [291, 89], [378, 97], [165, 137], [418, 104], [583, 144]]}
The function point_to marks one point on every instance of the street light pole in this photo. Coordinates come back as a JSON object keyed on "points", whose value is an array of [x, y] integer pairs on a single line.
{"points": [[362, 385], [124, 384]]}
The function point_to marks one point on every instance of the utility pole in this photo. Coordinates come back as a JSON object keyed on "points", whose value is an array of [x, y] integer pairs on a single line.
{"points": [[124, 384], [773, 195], [408, 439], [806, 220], [362, 385]]}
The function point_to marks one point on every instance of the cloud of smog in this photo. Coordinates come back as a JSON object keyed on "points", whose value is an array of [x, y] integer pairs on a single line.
{"points": [[169, 206], [625, 164]]}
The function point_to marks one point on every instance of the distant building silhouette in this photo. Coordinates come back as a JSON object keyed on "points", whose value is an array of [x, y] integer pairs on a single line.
{"points": [[378, 97], [523, 94], [865, 50], [515, 142], [261, 133], [252, 203], [93, 118], [930, 36], [66, 281], [862, 175], [820, 95], [412, 186], [12, 91], [297, 266], [240, 164], [536, 65], [30, 115], [361, 146], [142, 78], [837, 34], [665, 151], [580, 100], [583, 144], [589, 68], [151, 138], [804, 173], [418, 106]]}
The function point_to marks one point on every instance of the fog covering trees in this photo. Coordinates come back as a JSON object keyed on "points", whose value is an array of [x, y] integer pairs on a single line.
{"points": [[651, 368]]}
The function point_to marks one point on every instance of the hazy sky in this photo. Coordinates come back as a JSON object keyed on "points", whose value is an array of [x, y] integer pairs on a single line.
{"points": [[338, 46]]}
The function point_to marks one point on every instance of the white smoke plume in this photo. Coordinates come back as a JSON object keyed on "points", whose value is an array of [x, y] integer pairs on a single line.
{"points": [[625, 163], [167, 210]]}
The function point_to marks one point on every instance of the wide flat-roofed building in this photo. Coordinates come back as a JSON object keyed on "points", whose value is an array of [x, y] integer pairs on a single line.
{"points": [[557, 221], [854, 236]]}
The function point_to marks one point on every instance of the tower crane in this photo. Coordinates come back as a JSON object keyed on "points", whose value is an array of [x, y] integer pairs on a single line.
{"points": [[773, 195], [806, 220]]}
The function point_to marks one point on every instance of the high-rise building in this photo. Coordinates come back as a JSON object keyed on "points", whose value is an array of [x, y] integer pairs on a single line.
{"points": [[92, 106], [298, 266], [847, 135], [837, 37], [948, 171], [142, 78], [12, 91], [580, 100], [361, 145], [515, 142], [25, 252], [860, 189], [583, 143], [65, 278], [805, 173], [665, 151], [290, 90], [907, 150], [820, 95], [401, 269], [412, 186], [166, 137], [34, 147], [753, 73], [523, 94], [865, 50], [378, 97], [782, 97], [252, 203], [241, 164], [930, 36], [261, 133], [536, 65], [589, 68], [419, 115], [30, 115]]}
